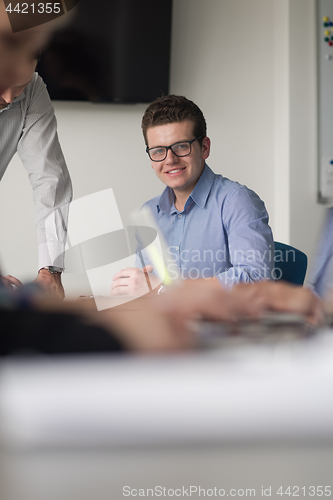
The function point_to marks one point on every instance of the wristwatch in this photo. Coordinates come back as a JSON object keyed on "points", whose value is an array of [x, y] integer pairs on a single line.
{"points": [[53, 269]]}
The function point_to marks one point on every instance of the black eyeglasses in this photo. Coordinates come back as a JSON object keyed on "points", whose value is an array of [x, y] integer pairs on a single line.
{"points": [[179, 149]]}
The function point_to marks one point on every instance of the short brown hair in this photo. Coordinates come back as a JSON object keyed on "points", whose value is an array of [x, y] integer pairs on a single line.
{"points": [[173, 109]]}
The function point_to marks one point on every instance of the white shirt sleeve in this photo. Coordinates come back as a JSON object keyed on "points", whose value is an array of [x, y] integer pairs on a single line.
{"points": [[42, 157]]}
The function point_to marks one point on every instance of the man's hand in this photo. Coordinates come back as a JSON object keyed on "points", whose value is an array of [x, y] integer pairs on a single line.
{"points": [[9, 281], [284, 297], [51, 283], [134, 281], [208, 300]]}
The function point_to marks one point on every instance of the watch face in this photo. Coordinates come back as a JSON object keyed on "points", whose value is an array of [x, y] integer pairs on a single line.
{"points": [[53, 269]]}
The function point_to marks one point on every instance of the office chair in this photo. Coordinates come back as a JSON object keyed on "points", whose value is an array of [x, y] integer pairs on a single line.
{"points": [[290, 264]]}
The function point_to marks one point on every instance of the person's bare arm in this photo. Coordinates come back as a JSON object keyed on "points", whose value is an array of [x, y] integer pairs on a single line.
{"points": [[206, 299], [138, 325]]}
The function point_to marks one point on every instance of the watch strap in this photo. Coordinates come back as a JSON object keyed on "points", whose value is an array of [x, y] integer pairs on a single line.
{"points": [[53, 269]]}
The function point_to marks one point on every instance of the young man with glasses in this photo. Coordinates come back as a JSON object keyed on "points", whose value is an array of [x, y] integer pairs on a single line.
{"points": [[215, 228]]}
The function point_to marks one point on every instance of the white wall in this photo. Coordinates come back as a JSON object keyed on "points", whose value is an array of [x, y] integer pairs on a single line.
{"points": [[305, 214], [222, 59], [298, 217], [250, 66]]}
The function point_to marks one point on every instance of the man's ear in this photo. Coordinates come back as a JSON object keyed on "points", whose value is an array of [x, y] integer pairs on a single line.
{"points": [[205, 148]]}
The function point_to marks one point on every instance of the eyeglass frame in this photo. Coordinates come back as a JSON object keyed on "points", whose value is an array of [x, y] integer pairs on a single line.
{"points": [[170, 147]]}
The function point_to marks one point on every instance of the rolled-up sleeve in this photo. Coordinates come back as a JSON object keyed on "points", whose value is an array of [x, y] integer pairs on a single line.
{"points": [[42, 157]]}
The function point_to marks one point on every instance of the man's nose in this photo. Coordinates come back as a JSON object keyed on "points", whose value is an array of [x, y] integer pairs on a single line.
{"points": [[171, 157], [7, 95]]}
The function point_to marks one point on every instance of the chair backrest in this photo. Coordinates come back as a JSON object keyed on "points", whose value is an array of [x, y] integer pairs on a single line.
{"points": [[290, 264]]}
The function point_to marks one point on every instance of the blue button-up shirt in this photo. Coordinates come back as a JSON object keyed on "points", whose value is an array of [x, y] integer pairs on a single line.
{"points": [[321, 275], [222, 231]]}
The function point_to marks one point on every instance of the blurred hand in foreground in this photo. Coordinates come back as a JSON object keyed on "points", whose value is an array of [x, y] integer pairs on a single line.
{"points": [[206, 299], [284, 297], [160, 323]]}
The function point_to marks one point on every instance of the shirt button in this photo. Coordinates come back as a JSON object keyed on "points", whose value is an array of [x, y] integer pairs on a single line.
{"points": [[177, 248], [180, 216]]}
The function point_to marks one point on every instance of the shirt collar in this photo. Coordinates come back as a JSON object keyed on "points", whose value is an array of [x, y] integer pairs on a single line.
{"points": [[199, 195], [166, 202], [202, 188], [17, 99], [20, 97]]}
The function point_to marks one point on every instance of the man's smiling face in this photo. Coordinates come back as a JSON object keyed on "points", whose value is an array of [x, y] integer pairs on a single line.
{"points": [[179, 173]]}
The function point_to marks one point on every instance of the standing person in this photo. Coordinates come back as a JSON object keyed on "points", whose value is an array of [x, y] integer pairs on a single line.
{"points": [[28, 126]]}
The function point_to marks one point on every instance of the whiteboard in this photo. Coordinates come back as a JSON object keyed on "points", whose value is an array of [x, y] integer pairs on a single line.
{"points": [[325, 100]]}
